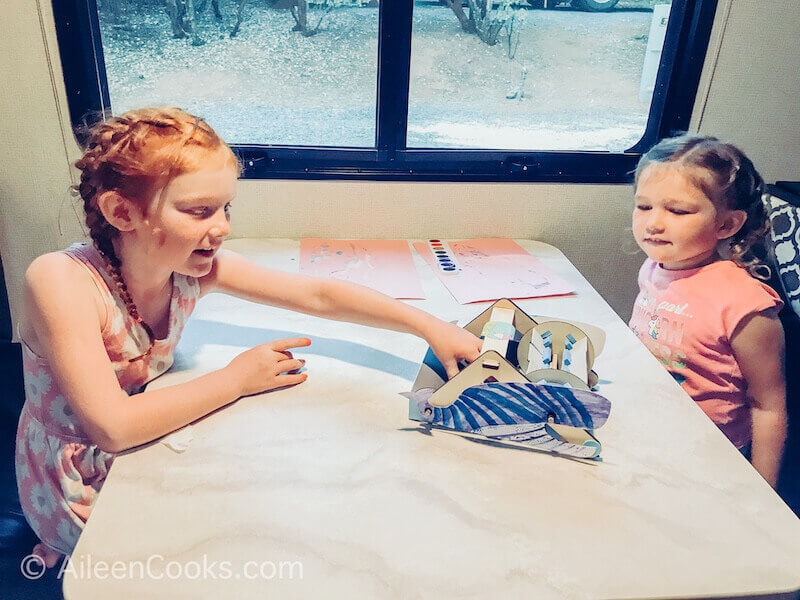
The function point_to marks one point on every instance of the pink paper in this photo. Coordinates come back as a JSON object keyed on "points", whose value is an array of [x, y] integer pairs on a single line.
{"points": [[495, 268], [383, 265]]}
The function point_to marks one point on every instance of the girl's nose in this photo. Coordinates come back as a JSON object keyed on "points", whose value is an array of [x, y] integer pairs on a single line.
{"points": [[221, 226], [654, 224]]}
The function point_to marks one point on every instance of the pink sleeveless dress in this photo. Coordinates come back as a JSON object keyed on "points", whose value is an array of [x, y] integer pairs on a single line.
{"points": [[59, 469]]}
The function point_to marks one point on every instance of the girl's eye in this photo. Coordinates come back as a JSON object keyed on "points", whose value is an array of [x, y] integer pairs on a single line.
{"points": [[678, 211], [642, 207], [206, 212], [199, 211]]}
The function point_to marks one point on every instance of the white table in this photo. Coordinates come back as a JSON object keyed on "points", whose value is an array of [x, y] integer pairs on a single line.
{"points": [[327, 490]]}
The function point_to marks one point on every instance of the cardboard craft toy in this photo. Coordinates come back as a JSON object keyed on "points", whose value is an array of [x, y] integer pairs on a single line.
{"points": [[531, 385]]}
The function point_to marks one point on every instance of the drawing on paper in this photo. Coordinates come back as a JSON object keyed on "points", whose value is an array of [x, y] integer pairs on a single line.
{"points": [[383, 265]]}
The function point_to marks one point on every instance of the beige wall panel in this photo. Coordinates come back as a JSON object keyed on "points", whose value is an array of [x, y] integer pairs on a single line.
{"points": [[752, 85], [36, 209]]}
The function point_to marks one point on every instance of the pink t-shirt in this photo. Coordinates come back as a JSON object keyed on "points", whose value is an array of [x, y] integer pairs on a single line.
{"points": [[686, 319]]}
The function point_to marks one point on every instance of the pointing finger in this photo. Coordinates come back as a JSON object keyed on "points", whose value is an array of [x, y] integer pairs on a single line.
{"points": [[286, 343]]}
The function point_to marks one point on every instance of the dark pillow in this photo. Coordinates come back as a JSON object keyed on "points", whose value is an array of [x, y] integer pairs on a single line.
{"points": [[785, 218]]}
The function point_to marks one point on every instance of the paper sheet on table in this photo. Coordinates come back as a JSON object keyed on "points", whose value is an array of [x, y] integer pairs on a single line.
{"points": [[494, 268], [383, 265], [179, 440]]}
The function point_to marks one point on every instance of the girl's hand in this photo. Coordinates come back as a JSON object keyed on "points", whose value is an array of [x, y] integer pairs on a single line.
{"points": [[451, 344], [268, 366]]}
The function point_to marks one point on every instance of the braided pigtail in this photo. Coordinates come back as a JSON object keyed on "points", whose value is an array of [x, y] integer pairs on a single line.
{"points": [[740, 187], [93, 166], [750, 247]]}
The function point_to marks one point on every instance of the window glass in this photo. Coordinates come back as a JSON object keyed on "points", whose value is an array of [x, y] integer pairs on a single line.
{"points": [[280, 76], [516, 78], [433, 90]]}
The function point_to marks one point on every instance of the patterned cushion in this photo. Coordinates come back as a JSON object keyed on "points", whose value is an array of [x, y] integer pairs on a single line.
{"points": [[785, 219]]}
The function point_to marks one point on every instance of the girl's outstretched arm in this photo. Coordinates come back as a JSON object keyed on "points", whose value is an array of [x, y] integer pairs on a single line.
{"points": [[758, 345], [342, 301], [63, 323]]}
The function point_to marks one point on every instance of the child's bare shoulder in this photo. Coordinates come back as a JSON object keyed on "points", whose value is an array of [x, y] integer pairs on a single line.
{"points": [[56, 272], [57, 286], [53, 264]]}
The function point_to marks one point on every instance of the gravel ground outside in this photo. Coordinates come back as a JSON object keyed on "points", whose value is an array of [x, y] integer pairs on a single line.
{"points": [[572, 82]]}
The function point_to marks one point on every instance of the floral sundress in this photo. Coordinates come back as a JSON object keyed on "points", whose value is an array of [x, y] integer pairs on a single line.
{"points": [[59, 470]]}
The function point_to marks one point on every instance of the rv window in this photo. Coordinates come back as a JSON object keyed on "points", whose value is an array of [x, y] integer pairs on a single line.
{"points": [[454, 90]]}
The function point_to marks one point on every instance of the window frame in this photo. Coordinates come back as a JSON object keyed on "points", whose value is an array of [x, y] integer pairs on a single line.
{"points": [[677, 81]]}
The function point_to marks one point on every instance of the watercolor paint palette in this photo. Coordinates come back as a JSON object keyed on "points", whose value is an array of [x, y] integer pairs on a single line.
{"points": [[444, 256]]}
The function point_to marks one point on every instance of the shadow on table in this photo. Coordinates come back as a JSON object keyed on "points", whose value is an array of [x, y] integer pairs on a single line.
{"points": [[213, 332]]}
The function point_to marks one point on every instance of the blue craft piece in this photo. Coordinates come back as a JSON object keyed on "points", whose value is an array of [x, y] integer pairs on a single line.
{"points": [[566, 357], [513, 403], [569, 341], [435, 364], [541, 437]]}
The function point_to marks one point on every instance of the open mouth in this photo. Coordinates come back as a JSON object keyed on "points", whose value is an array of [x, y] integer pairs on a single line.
{"points": [[206, 253]]}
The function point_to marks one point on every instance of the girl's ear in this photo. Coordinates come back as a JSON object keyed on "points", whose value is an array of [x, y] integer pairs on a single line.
{"points": [[117, 210], [731, 223]]}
